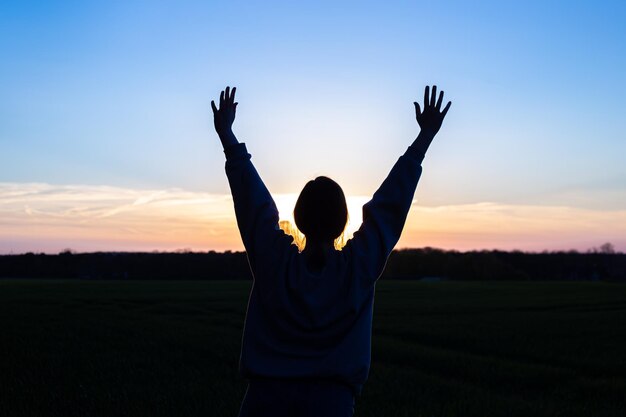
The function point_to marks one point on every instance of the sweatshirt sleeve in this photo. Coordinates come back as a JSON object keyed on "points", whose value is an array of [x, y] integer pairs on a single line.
{"points": [[384, 217], [255, 210]]}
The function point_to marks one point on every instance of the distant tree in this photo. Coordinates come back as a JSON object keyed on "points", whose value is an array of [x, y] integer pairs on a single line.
{"points": [[607, 248]]}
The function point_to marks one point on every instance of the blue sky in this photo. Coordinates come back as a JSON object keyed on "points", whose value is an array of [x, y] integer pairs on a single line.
{"points": [[117, 94]]}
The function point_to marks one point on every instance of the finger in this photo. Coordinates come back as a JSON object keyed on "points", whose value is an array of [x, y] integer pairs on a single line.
{"points": [[433, 96], [213, 107], [445, 110], [232, 95], [222, 99], [418, 110], [426, 95], [227, 95], [235, 106], [438, 106]]}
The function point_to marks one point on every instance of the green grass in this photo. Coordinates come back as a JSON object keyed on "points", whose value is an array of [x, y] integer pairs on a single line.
{"points": [[164, 348]]}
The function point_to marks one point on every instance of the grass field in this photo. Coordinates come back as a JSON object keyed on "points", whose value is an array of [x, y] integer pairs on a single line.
{"points": [[164, 348]]}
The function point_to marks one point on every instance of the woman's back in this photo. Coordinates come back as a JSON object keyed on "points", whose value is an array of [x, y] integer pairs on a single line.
{"points": [[314, 324]]}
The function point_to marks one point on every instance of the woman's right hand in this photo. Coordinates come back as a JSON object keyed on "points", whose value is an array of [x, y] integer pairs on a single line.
{"points": [[431, 118]]}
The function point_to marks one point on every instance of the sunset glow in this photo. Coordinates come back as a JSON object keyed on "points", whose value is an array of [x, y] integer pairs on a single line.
{"points": [[47, 218]]}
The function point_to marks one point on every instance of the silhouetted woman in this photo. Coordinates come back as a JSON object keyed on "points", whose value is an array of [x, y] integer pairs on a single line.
{"points": [[307, 335]]}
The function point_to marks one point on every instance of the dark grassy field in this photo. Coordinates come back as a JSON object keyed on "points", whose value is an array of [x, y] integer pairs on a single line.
{"points": [[77, 348]]}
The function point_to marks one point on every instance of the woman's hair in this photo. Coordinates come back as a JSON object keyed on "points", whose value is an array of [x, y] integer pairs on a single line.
{"points": [[321, 212]]}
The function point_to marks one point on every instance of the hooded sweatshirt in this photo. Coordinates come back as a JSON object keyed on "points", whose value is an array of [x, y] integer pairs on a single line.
{"points": [[314, 325]]}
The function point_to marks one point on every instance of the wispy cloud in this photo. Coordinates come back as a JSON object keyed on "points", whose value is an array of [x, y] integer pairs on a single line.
{"points": [[43, 217]]}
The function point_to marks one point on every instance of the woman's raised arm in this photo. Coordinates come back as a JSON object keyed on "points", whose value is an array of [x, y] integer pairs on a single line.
{"points": [[385, 214], [256, 212]]}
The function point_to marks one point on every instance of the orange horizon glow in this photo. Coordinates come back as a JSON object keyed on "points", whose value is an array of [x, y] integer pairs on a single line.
{"points": [[47, 218]]}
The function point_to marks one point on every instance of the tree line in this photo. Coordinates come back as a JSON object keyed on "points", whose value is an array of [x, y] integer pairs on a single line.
{"points": [[426, 264]]}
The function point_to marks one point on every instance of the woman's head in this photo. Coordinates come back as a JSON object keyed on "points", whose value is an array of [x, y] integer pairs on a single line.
{"points": [[321, 212]]}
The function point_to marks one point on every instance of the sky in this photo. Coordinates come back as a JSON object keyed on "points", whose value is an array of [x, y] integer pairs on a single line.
{"points": [[107, 143]]}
